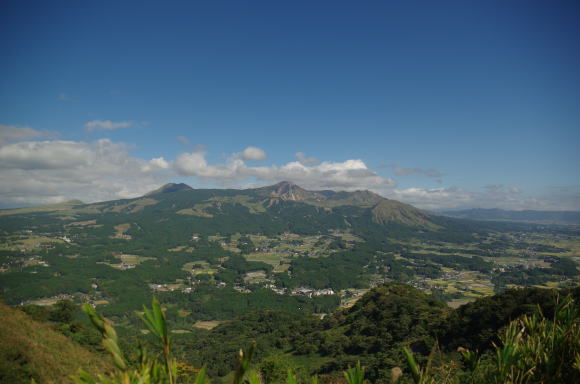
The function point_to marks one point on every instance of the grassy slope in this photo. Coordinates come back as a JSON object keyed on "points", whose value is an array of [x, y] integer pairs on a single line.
{"points": [[29, 349]]}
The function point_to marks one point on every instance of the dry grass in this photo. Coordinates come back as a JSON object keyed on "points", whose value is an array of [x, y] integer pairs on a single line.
{"points": [[197, 210], [133, 259], [52, 356], [120, 231], [207, 324], [66, 207], [459, 302]]}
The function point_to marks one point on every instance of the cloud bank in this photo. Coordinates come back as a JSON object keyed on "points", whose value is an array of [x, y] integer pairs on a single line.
{"points": [[347, 175], [41, 172], [38, 168], [491, 196], [48, 171]]}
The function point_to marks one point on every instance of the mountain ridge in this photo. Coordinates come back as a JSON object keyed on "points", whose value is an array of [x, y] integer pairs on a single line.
{"points": [[382, 210], [182, 199]]}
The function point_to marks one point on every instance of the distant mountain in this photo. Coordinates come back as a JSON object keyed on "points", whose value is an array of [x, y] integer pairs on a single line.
{"points": [[287, 191], [383, 210], [271, 201], [291, 192], [528, 216]]}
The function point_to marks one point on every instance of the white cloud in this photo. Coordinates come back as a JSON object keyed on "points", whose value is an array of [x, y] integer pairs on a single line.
{"points": [[253, 154], [12, 133], [156, 164], [491, 196], [106, 125], [44, 155], [301, 157], [349, 175], [194, 164], [42, 171], [434, 198], [52, 171]]}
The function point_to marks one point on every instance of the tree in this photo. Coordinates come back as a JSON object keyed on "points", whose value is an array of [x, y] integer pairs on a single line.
{"points": [[63, 312]]}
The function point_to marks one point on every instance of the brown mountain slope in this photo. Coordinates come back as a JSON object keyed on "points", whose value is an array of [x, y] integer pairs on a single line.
{"points": [[394, 211]]}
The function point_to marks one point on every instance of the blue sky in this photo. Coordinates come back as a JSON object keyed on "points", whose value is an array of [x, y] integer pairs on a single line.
{"points": [[447, 104]]}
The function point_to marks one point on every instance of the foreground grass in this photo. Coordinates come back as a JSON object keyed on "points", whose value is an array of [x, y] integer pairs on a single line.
{"points": [[32, 350]]}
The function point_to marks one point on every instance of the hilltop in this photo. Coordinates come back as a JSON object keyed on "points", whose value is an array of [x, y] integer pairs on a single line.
{"points": [[168, 188]]}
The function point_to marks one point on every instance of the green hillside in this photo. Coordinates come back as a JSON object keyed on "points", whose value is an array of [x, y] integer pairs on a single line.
{"points": [[32, 350]]}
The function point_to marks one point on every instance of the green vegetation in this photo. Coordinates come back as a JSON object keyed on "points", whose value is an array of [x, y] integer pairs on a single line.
{"points": [[373, 331], [532, 349]]}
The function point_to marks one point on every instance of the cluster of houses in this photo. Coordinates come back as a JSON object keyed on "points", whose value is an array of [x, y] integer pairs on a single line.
{"points": [[167, 287], [24, 261], [309, 292], [125, 266], [302, 291], [525, 264]]}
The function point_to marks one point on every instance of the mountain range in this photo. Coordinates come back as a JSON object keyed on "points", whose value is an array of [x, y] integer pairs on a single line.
{"points": [[209, 203]]}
